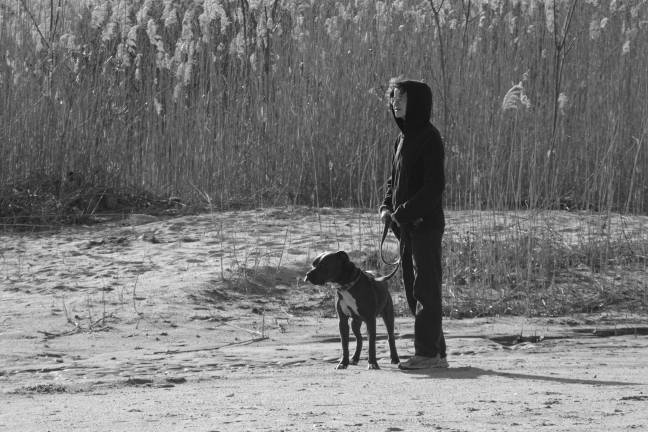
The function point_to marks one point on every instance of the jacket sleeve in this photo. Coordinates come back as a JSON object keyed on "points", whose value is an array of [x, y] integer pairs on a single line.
{"points": [[387, 203], [430, 195]]}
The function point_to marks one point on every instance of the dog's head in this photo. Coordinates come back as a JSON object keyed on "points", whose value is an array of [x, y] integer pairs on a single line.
{"points": [[330, 267]]}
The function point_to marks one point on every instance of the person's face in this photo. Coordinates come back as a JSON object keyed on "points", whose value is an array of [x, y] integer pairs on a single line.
{"points": [[399, 103]]}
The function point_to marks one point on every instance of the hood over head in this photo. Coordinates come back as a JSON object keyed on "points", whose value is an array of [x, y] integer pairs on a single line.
{"points": [[419, 104]]}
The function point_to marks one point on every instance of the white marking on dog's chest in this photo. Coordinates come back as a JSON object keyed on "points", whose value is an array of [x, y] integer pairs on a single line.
{"points": [[348, 304]]}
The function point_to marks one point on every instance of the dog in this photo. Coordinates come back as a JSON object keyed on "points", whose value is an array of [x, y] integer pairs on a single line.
{"points": [[359, 296]]}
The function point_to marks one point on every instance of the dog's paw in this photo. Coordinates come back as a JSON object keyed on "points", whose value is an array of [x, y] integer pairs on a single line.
{"points": [[341, 365], [354, 361], [373, 366]]}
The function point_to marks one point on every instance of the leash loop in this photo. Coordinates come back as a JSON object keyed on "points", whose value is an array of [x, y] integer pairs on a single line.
{"points": [[382, 241]]}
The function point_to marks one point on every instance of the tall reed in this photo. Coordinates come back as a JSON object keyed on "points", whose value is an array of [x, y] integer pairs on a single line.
{"points": [[541, 103]]}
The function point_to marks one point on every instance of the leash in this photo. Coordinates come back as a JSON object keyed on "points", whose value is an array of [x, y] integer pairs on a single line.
{"points": [[382, 242], [347, 286]]}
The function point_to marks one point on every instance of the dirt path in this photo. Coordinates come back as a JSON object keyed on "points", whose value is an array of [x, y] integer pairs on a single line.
{"points": [[203, 323], [568, 381]]}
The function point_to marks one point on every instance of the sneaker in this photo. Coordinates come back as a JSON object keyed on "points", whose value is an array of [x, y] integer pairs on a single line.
{"points": [[422, 362]]}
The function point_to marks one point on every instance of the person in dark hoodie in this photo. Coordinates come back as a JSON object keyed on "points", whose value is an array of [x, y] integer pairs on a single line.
{"points": [[413, 208]]}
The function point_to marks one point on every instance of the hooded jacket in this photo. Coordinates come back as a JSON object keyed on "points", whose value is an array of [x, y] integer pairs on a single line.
{"points": [[414, 191]]}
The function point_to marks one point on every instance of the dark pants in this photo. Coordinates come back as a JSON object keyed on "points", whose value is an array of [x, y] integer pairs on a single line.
{"points": [[420, 251]]}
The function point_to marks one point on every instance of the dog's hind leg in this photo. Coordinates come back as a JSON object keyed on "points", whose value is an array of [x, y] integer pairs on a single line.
{"points": [[355, 326], [371, 330], [388, 319], [344, 338]]}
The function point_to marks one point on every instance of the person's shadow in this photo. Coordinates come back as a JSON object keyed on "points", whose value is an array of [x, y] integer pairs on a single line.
{"points": [[468, 372]]}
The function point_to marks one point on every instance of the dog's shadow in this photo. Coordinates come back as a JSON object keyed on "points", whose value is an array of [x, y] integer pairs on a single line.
{"points": [[469, 372]]}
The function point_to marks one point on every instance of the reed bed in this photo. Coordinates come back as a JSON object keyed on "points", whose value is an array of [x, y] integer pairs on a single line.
{"points": [[117, 105], [542, 104]]}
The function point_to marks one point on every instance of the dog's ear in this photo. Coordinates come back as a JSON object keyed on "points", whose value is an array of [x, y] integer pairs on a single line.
{"points": [[343, 255], [317, 260]]}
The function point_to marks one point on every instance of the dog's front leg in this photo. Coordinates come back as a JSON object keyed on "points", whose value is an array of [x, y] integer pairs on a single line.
{"points": [[371, 330], [355, 326], [344, 338]]}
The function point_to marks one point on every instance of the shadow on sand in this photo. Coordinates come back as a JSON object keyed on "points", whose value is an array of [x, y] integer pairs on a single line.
{"points": [[473, 373]]}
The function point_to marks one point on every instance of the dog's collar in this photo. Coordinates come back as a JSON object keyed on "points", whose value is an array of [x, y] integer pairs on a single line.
{"points": [[349, 285]]}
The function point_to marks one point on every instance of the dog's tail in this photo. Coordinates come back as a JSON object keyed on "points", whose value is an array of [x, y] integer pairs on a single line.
{"points": [[390, 275]]}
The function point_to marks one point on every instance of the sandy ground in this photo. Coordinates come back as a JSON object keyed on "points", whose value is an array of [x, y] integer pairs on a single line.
{"points": [[203, 323]]}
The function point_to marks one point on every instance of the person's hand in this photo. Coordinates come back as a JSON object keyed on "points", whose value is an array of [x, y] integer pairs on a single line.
{"points": [[385, 216], [394, 220]]}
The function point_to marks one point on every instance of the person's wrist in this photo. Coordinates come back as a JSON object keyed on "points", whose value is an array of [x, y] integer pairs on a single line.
{"points": [[385, 215], [396, 216]]}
